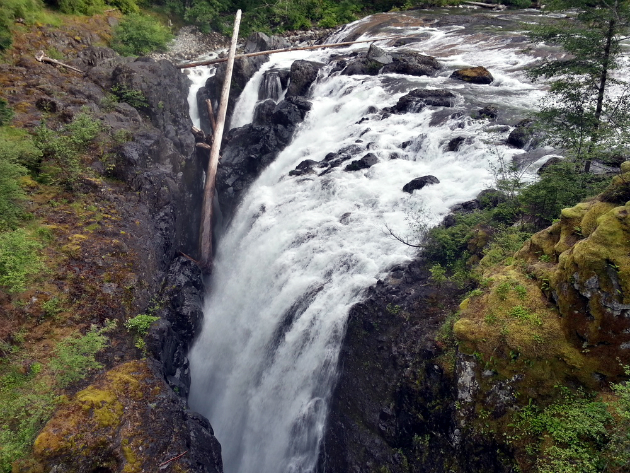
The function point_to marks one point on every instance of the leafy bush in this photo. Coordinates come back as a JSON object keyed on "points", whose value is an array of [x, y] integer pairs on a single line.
{"points": [[19, 259], [125, 6], [140, 324], [135, 98], [75, 356], [62, 149], [11, 194], [81, 7], [6, 113], [140, 34]]}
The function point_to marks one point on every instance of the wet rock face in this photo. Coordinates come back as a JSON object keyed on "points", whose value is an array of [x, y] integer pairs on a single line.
{"points": [[419, 183], [243, 70], [376, 61], [127, 420], [416, 100], [474, 75], [365, 162], [521, 136], [251, 148], [303, 74]]}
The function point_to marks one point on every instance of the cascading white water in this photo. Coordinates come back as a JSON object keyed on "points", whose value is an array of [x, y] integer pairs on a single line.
{"points": [[300, 251]]}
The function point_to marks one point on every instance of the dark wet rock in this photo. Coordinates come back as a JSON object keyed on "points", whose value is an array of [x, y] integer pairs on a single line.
{"points": [[412, 63], [305, 167], [455, 143], [419, 183], [362, 66], [521, 136], [261, 42], [474, 75], [489, 111], [263, 112], [250, 149], [410, 40], [466, 207], [48, 104], [379, 55], [548, 164], [417, 99], [303, 74], [365, 162]]}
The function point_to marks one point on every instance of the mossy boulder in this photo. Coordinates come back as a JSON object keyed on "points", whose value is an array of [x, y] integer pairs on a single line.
{"points": [[129, 420], [474, 75]]}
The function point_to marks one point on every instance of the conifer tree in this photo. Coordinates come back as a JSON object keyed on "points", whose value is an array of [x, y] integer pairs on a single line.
{"points": [[587, 110]]}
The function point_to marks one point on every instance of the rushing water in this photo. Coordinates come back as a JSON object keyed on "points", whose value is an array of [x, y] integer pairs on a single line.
{"points": [[300, 251]]}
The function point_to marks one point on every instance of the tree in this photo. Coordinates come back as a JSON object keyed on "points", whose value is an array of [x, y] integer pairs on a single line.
{"points": [[587, 109]]}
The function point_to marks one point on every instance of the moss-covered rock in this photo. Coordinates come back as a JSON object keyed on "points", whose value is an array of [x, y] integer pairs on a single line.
{"points": [[128, 420]]}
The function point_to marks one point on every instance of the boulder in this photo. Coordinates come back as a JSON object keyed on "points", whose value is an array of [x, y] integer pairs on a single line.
{"points": [[521, 135], [455, 143], [365, 162], [489, 111], [305, 167], [474, 75], [417, 99], [303, 74], [379, 55], [263, 112], [547, 164], [419, 183], [412, 63], [261, 42]]}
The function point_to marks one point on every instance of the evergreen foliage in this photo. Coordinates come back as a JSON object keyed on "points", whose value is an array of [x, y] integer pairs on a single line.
{"points": [[587, 111]]}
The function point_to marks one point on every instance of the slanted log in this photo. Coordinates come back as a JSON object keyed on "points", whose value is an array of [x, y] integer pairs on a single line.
{"points": [[205, 234]]}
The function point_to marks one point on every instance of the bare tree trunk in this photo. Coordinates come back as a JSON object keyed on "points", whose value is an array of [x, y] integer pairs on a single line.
{"points": [[601, 90], [205, 234]]}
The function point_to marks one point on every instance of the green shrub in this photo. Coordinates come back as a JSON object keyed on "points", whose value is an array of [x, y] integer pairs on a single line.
{"points": [[140, 34], [140, 324], [62, 149], [11, 193], [81, 7], [75, 356], [125, 6], [135, 98], [19, 259], [6, 112]]}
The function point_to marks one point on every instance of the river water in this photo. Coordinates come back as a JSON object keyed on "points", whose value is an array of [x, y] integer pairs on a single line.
{"points": [[300, 251]]}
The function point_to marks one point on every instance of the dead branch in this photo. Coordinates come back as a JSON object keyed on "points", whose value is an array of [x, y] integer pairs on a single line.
{"points": [[41, 57], [286, 50], [400, 239], [491, 6]]}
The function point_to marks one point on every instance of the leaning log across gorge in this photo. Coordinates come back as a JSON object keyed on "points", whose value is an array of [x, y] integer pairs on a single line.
{"points": [[286, 50], [205, 234]]}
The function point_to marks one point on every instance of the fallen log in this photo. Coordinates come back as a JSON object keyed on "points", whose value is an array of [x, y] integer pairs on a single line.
{"points": [[286, 50], [213, 122], [41, 57], [205, 233], [491, 6]]}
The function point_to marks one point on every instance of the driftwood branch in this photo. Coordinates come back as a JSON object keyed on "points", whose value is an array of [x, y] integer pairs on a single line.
{"points": [[205, 233], [213, 122], [170, 460], [286, 50], [41, 57], [491, 6]]}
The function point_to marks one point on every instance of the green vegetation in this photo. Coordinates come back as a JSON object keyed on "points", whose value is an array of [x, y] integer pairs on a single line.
{"points": [[75, 355], [62, 149], [29, 392], [135, 98], [19, 259], [139, 34], [139, 326], [580, 114]]}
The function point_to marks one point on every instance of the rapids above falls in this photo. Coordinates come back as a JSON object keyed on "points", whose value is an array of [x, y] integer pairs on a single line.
{"points": [[301, 250]]}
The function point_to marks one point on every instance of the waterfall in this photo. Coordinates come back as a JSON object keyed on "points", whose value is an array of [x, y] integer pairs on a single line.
{"points": [[300, 251]]}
